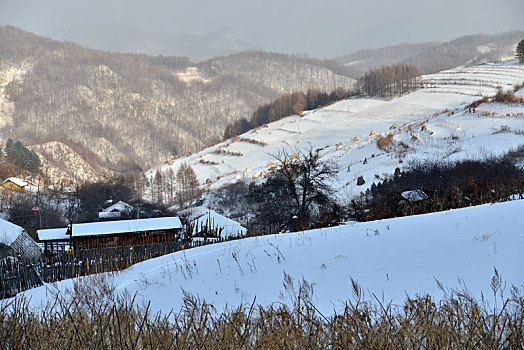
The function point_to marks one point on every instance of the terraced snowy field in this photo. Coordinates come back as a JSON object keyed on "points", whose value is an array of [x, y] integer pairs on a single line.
{"points": [[432, 122]]}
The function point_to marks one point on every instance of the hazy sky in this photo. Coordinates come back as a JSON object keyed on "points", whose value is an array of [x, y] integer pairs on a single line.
{"points": [[320, 28]]}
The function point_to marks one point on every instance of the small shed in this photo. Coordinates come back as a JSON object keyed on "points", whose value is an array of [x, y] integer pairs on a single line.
{"points": [[56, 240], [414, 195]]}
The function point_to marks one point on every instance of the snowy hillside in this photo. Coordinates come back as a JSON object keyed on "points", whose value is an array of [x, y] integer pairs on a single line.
{"points": [[388, 258], [431, 122]]}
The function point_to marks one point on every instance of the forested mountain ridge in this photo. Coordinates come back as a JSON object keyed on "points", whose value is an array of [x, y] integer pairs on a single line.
{"points": [[432, 57], [133, 109]]}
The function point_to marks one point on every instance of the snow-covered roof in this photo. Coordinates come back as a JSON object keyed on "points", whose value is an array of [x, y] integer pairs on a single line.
{"points": [[9, 232], [119, 206], [125, 226], [17, 181], [52, 234], [230, 227], [109, 215], [414, 195]]}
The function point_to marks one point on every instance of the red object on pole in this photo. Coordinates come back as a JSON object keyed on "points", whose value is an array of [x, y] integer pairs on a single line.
{"points": [[36, 210]]}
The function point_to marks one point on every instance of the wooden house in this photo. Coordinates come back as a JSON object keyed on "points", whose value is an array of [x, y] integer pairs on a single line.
{"points": [[15, 184], [108, 234]]}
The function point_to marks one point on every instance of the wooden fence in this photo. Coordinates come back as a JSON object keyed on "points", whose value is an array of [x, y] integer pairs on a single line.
{"points": [[17, 275]]}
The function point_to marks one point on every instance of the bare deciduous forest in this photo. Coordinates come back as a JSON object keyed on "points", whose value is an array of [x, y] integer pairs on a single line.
{"points": [[134, 109]]}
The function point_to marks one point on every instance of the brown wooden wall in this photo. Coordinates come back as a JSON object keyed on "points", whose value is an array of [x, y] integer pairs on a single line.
{"points": [[124, 240]]}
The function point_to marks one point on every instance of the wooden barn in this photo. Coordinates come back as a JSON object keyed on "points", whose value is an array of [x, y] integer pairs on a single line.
{"points": [[109, 234]]}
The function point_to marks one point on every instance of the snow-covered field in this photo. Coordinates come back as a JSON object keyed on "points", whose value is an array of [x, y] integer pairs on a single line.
{"points": [[432, 122], [390, 258]]}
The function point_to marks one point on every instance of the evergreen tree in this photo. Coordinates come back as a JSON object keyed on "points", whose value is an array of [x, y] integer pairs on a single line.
{"points": [[520, 51], [22, 157]]}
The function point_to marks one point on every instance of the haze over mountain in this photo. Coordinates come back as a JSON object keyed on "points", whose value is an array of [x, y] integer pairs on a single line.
{"points": [[328, 29], [130, 40]]}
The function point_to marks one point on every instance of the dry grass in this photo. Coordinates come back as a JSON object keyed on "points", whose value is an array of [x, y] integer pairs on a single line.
{"points": [[252, 141], [507, 97], [227, 153], [93, 317], [477, 103], [384, 143]]}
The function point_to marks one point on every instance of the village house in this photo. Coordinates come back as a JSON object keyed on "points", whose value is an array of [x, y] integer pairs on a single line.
{"points": [[17, 184], [108, 234]]}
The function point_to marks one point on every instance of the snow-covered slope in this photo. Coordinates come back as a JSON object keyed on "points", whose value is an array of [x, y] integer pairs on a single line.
{"points": [[388, 258], [431, 122]]}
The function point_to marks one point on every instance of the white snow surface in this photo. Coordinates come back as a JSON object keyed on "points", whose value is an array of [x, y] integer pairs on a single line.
{"points": [[433, 122], [123, 226], [9, 232], [390, 258]]}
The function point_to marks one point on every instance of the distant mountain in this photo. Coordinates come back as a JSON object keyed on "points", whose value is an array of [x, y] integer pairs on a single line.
{"points": [[135, 110], [433, 57], [119, 38]]}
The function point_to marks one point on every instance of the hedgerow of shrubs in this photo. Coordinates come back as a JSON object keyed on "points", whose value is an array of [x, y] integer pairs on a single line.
{"points": [[446, 185]]}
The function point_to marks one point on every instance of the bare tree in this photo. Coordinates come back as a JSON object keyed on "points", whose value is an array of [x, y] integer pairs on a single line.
{"points": [[297, 185], [187, 182]]}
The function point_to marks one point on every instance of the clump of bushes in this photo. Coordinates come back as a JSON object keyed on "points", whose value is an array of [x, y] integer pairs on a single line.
{"points": [[384, 142], [507, 97]]}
